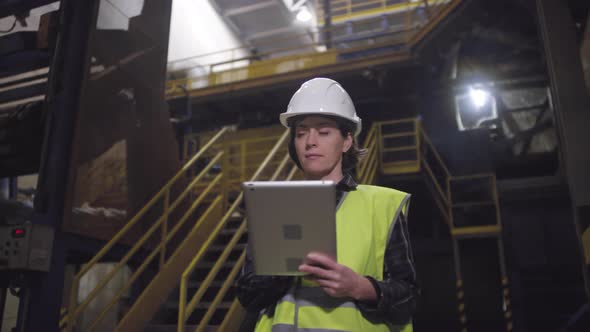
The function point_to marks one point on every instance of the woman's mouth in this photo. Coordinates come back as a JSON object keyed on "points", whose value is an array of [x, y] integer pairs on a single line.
{"points": [[312, 156]]}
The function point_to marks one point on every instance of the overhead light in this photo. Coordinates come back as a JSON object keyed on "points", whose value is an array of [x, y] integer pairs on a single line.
{"points": [[479, 97], [303, 15], [475, 107]]}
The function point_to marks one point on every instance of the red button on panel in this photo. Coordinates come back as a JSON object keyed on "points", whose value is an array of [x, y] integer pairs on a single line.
{"points": [[18, 232]]}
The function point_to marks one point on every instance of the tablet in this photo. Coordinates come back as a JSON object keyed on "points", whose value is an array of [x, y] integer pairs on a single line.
{"points": [[288, 219]]}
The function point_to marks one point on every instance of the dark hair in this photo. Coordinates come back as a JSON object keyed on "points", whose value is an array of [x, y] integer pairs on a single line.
{"points": [[350, 158]]}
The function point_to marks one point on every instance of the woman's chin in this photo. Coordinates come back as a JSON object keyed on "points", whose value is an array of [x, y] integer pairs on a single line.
{"points": [[314, 175]]}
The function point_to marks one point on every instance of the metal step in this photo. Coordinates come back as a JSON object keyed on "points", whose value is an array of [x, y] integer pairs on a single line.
{"points": [[174, 328], [168, 313], [220, 247], [173, 305], [228, 231], [209, 265]]}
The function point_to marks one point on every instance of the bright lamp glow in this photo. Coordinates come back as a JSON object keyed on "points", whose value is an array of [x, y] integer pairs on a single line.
{"points": [[479, 97], [303, 15]]}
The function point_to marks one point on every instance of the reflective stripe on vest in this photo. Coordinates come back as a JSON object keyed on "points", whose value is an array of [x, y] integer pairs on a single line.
{"points": [[364, 222]]}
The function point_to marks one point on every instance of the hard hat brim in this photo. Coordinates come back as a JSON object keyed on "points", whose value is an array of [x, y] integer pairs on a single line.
{"points": [[284, 119]]}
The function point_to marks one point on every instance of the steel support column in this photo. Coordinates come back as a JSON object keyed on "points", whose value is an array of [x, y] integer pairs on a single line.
{"points": [[43, 294], [327, 23], [571, 106]]}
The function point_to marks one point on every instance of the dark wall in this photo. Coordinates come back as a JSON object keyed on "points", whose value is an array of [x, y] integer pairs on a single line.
{"points": [[543, 257]]}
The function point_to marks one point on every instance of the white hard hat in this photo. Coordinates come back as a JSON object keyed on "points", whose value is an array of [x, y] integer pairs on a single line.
{"points": [[322, 96]]}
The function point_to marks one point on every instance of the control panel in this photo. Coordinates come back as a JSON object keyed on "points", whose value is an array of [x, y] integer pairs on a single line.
{"points": [[25, 247]]}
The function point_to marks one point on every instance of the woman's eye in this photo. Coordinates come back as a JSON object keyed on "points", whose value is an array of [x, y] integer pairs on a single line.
{"points": [[324, 132]]}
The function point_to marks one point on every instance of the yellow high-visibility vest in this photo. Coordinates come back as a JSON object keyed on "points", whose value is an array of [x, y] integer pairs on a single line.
{"points": [[364, 222]]}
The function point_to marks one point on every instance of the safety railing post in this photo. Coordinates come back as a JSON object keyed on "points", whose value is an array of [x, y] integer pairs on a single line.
{"points": [[232, 56], [459, 287], [449, 202], [182, 305], [243, 164], [427, 9], [71, 318], [418, 141], [380, 144], [164, 228], [225, 168], [211, 75]]}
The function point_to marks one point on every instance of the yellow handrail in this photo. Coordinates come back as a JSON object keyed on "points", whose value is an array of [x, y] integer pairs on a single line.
{"points": [[233, 318], [148, 260], [185, 309], [133, 250], [229, 280], [74, 308], [349, 11], [436, 154], [427, 157], [224, 288], [244, 151], [369, 166]]}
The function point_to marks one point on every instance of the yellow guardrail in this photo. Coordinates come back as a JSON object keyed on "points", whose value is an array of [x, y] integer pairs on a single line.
{"points": [[346, 10], [439, 175], [399, 146], [240, 64], [242, 155], [404, 147], [186, 308], [163, 196], [63, 314], [368, 169], [425, 156]]}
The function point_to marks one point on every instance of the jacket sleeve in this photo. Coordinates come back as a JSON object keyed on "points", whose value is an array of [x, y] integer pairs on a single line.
{"points": [[259, 292], [398, 291]]}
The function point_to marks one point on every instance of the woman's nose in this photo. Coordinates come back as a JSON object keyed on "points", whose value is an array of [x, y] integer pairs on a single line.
{"points": [[312, 138]]}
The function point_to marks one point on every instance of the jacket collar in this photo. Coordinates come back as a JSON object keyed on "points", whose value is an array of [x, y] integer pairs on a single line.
{"points": [[347, 183]]}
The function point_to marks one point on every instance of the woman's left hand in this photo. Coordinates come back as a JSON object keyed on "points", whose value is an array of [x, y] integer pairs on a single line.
{"points": [[337, 280]]}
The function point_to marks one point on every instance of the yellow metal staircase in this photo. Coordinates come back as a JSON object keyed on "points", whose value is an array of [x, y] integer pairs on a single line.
{"points": [[184, 232], [405, 148]]}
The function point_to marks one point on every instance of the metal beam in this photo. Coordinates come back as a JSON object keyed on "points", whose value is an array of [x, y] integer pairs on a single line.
{"points": [[10, 7], [571, 107], [327, 23], [270, 33], [250, 8], [42, 302], [297, 5]]}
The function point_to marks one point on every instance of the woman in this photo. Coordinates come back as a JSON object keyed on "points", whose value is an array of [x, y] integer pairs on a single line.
{"points": [[372, 287]]}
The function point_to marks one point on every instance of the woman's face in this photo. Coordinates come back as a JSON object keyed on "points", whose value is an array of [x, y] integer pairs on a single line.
{"points": [[319, 145]]}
